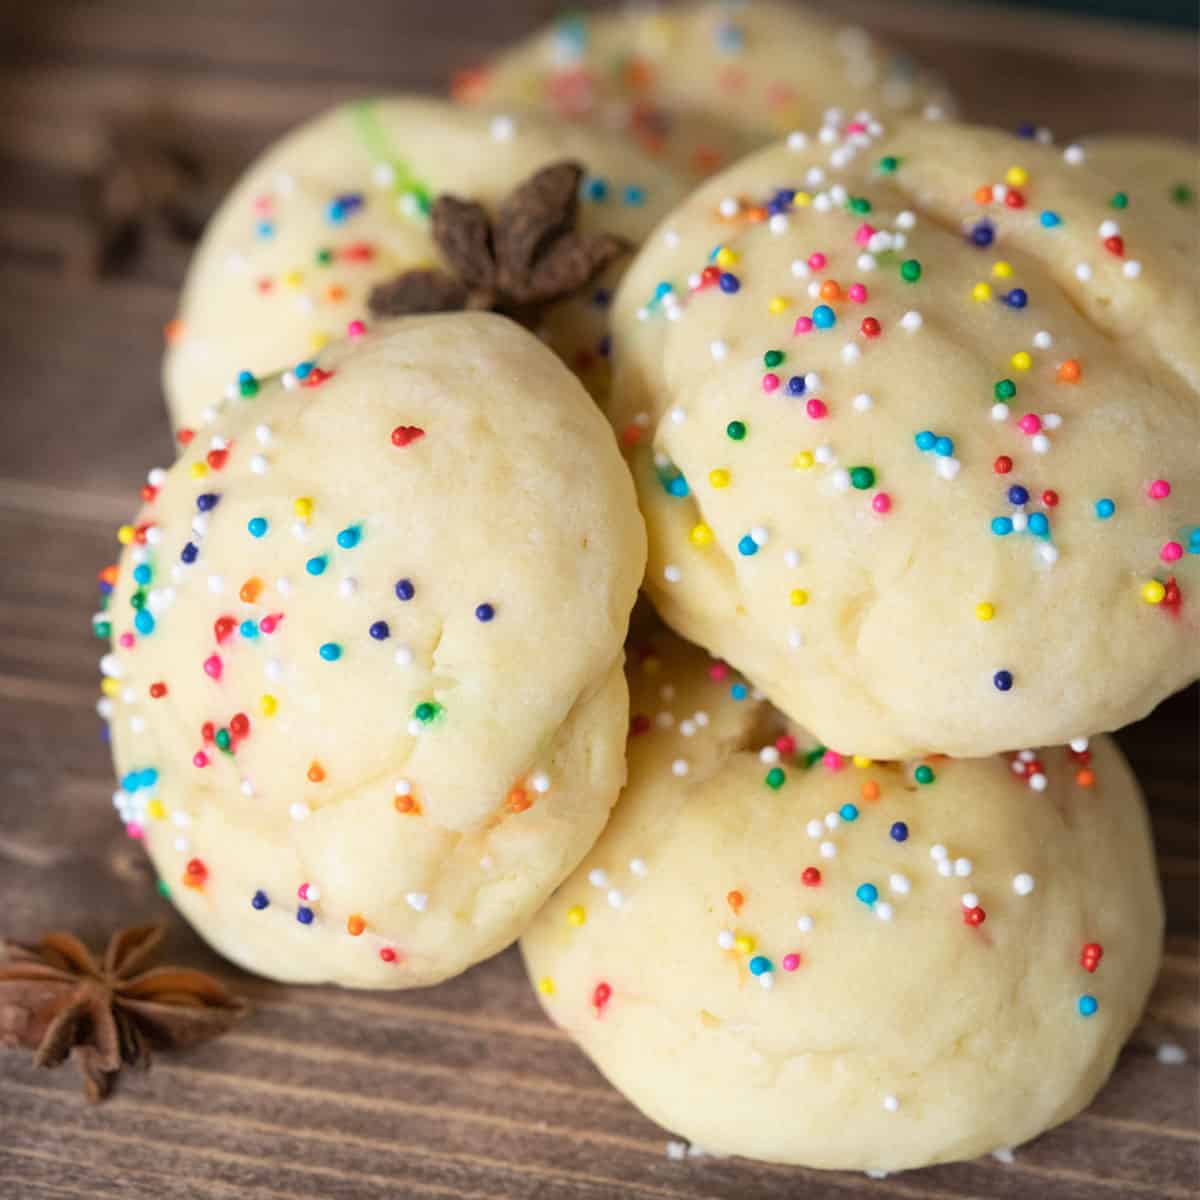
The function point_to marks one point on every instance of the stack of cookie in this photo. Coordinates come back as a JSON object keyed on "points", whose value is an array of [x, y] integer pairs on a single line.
{"points": [[909, 410]]}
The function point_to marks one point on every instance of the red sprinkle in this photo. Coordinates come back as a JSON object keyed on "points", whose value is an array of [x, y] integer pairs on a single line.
{"points": [[974, 916], [810, 877], [158, 691], [600, 997], [1049, 498], [404, 435], [870, 327], [1090, 956], [1002, 465]]}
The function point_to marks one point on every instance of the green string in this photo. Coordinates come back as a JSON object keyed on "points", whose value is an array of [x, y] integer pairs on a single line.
{"points": [[366, 123]]}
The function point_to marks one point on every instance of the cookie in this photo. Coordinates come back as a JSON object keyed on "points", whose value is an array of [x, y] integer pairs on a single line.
{"points": [[701, 85], [780, 953], [365, 688], [914, 422], [342, 205]]}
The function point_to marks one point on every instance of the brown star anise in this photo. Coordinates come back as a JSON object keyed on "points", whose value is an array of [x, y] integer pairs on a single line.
{"points": [[57, 999], [531, 253]]}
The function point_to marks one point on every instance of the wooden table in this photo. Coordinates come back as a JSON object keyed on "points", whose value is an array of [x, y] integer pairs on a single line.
{"points": [[465, 1091]]}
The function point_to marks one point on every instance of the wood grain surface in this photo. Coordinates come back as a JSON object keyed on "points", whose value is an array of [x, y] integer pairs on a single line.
{"points": [[465, 1090]]}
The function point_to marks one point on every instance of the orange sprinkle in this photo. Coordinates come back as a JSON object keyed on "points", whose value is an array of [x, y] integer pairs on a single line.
{"points": [[831, 290], [735, 900], [355, 925], [251, 589], [406, 804], [631, 435], [316, 772], [109, 574], [518, 800], [983, 194], [756, 215], [870, 790], [335, 291], [173, 331], [1085, 777], [1069, 371]]}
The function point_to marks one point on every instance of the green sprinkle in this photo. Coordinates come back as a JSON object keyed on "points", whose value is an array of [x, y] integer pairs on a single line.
{"points": [[248, 385], [814, 756], [1005, 389], [426, 711], [888, 163], [161, 888], [773, 358], [775, 778], [858, 204], [222, 739], [1182, 193], [910, 270], [324, 256], [924, 774], [861, 477], [102, 629], [736, 430], [138, 599], [1119, 200]]}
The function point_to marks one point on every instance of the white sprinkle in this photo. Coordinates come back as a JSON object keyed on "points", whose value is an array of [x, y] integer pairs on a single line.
{"points": [[1051, 420], [258, 464], [1083, 272], [851, 353], [289, 381], [912, 321], [153, 536], [347, 586], [273, 670], [687, 728], [778, 223], [1132, 269], [791, 557], [677, 415], [677, 1151], [383, 174], [768, 756], [766, 981], [664, 720], [795, 639], [1171, 1054], [800, 269], [216, 584], [862, 402], [883, 910], [947, 468], [540, 782], [945, 868], [814, 828], [638, 867], [718, 349], [1073, 154], [822, 203], [1079, 744], [503, 128], [415, 728], [417, 901], [1048, 553], [615, 898], [1020, 522], [283, 585], [759, 536], [828, 850], [832, 820], [679, 767], [403, 656], [701, 718], [812, 382], [891, 1104], [104, 707], [899, 241], [899, 884], [299, 531], [797, 141], [403, 787], [1109, 228], [1038, 782], [725, 939], [963, 867], [671, 573], [938, 852], [1040, 443], [824, 455], [598, 878], [728, 207], [999, 191], [1042, 340], [182, 845], [814, 289], [1004, 1155], [999, 412], [247, 788], [298, 811], [1022, 884], [841, 479], [875, 1173], [865, 262], [110, 666], [906, 219], [804, 924], [970, 900], [1026, 756]]}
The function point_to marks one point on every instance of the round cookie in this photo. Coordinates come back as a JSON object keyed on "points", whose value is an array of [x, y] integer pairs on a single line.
{"points": [[918, 447], [779, 954], [341, 205], [365, 691], [702, 84]]}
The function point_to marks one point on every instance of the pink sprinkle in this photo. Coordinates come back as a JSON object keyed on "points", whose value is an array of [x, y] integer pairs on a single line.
{"points": [[1160, 489], [856, 127], [262, 204], [718, 671], [1030, 423], [857, 293], [270, 622], [817, 409], [199, 759], [790, 962], [1171, 552], [213, 666], [786, 744], [803, 325], [125, 641], [356, 329], [302, 891], [817, 261], [770, 381], [864, 233], [881, 502], [832, 760], [135, 831]]}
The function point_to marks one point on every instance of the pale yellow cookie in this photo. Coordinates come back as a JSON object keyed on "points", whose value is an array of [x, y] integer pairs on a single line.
{"points": [[703, 84], [341, 205], [782, 954], [365, 691], [914, 418]]}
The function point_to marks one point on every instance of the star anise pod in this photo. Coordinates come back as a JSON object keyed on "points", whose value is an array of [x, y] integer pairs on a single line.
{"points": [[56, 999], [529, 254]]}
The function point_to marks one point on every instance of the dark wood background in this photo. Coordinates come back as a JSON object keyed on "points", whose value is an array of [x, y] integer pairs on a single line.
{"points": [[464, 1091]]}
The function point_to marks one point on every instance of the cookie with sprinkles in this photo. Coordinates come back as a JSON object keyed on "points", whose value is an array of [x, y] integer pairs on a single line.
{"points": [[782, 953], [365, 690], [914, 423], [342, 205], [701, 85]]}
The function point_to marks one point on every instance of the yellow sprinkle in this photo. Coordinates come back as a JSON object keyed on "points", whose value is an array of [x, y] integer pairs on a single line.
{"points": [[651, 665], [198, 470], [745, 943], [802, 199], [576, 914], [303, 507], [268, 704], [293, 279], [155, 809], [546, 985], [797, 597], [110, 687], [1002, 270], [701, 534], [125, 535], [981, 291], [1016, 176], [985, 611], [719, 477], [318, 341], [1022, 361], [778, 304], [803, 460], [861, 760], [726, 257], [1153, 591]]}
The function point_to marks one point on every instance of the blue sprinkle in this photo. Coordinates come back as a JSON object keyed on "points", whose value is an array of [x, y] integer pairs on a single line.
{"points": [[1001, 526], [662, 289], [925, 440], [823, 317], [405, 589], [868, 893], [943, 447], [266, 229], [1026, 129], [302, 370], [1018, 495], [189, 552], [130, 782], [246, 377], [848, 812], [1194, 541], [1017, 298], [747, 546], [304, 915], [677, 487], [106, 589], [143, 622], [729, 283], [1039, 524], [595, 189], [317, 564], [379, 631], [635, 195], [349, 537], [1088, 1005], [796, 385], [257, 526], [1105, 509], [759, 965], [207, 501], [147, 777], [330, 651], [982, 234], [739, 691], [602, 297], [899, 832], [259, 900], [1050, 219], [1003, 681], [248, 629], [484, 613], [142, 574]]}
